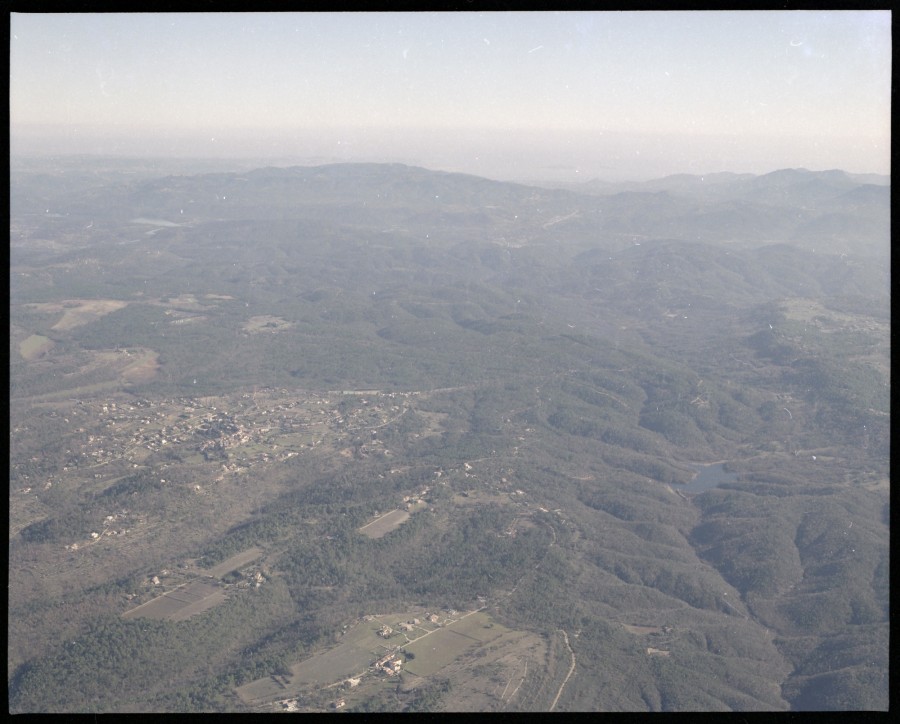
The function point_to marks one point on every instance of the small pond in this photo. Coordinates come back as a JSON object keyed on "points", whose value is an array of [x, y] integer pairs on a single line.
{"points": [[708, 476]]}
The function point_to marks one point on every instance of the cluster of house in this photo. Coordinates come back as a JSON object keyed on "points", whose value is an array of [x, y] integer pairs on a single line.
{"points": [[390, 664], [411, 501], [211, 430], [386, 631], [256, 580]]}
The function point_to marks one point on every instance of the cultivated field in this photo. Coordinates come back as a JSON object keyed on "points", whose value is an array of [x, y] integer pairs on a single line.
{"points": [[35, 347], [236, 561], [143, 368], [434, 647], [182, 603], [76, 312], [266, 323], [341, 662], [384, 524], [436, 650]]}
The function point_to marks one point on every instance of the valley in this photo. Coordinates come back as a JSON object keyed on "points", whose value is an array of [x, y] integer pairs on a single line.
{"points": [[369, 437]]}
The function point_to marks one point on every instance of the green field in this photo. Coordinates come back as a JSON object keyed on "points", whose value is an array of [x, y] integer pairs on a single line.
{"points": [[181, 603], [383, 525], [436, 650], [341, 662], [236, 561], [35, 346], [361, 646]]}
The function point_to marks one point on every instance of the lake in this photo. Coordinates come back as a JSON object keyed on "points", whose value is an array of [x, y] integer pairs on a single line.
{"points": [[708, 476]]}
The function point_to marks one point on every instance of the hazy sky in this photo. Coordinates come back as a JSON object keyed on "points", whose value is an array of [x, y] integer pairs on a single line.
{"points": [[563, 95]]}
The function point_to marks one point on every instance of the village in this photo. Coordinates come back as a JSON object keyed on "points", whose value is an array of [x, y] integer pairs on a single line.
{"points": [[109, 437], [196, 442]]}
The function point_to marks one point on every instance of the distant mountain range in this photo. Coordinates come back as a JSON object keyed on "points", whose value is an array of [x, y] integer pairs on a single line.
{"points": [[826, 211]]}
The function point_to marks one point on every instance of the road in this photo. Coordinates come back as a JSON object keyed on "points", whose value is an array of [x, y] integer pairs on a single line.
{"points": [[568, 676]]}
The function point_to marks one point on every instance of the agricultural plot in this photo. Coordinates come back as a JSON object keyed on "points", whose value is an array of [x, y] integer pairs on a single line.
{"points": [[478, 626], [204, 604], [266, 323], [236, 561], [143, 368], [341, 662], [480, 497], [355, 654], [384, 524], [158, 609], [78, 312], [35, 347], [183, 602], [263, 690], [435, 650]]}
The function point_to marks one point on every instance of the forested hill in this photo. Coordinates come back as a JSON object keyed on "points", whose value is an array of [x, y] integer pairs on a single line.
{"points": [[261, 363], [828, 211]]}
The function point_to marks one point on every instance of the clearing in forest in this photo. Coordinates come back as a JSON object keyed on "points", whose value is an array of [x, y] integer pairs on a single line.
{"points": [[77, 312], [35, 347], [266, 323], [384, 524], [180, 603], [236, 561]]}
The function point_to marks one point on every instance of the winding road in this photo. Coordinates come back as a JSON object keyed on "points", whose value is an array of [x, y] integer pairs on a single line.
{"points": [[568, 676]]}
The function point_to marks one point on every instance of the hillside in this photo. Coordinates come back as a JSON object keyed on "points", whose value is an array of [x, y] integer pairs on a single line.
{"points": [[221, 383]]}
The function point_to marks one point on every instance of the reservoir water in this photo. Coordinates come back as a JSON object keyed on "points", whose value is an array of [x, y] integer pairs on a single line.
{"points": [[708, 476]]}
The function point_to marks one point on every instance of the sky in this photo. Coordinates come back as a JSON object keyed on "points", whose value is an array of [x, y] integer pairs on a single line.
{"points": [[509, 95]]}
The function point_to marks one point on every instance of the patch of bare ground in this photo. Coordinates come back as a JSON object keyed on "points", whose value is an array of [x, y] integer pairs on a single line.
{"points": [[143, 367], [35, 347], [181, 603], [498, 676], [131, 365], [184, 300], [545, 681], [77, 312], [880, 484], [473, 497], [266, 323], [236, 561], [434, 422], [384, 524]]}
